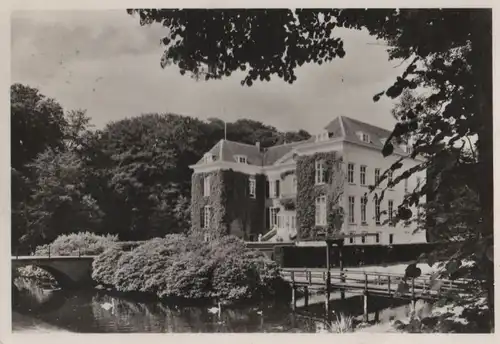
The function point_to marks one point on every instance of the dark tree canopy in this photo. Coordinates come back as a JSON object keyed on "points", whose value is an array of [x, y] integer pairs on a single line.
{"points": [[132, 178], [37, 123]]}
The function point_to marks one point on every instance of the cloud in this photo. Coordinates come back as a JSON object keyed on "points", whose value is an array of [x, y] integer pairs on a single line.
{"points": [[105, 62], [45, 42]]}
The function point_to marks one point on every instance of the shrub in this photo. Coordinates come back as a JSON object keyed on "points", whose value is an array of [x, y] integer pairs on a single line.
{"points": [[84, 243], [104, 265], [36, 273], [180, 267]]}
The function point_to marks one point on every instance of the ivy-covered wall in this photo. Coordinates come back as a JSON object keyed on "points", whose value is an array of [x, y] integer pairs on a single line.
{"points": [[307, 192], [233, 210]]}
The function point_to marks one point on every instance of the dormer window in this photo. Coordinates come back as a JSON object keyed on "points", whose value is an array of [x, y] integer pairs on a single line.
{"points": [[364, 137], [408, 149], [208, 157], [241, 159], [324, 136]]}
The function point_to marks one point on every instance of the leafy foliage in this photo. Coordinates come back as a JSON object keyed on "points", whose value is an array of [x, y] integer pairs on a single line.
{"points": [[187, 268], [332, 189], [131, 178], [83, 243], [448, 55], [233, 211]]}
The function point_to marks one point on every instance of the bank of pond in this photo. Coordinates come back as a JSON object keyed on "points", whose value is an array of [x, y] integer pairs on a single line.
{"points": [[176, 268]]}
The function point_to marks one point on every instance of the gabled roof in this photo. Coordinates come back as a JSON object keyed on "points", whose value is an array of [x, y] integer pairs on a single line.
{"points": [[225, 150], [273, 154], [349, 127], [341, 127], [230, 149]]}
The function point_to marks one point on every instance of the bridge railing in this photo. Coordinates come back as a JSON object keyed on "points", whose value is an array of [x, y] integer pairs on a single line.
{"points": [[423, 285]]}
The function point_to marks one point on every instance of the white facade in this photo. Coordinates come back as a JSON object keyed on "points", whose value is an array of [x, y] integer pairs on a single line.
{"points": [[359, 146]]}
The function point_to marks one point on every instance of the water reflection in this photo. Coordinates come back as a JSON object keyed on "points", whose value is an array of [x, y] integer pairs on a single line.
{"points": [[97, 311], [90, 311]]}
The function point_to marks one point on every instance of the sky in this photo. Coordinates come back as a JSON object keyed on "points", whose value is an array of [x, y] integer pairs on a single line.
{"points": [[106, 63]]}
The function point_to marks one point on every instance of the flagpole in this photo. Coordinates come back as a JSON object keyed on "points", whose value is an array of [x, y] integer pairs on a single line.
{"points": [[225, 123]]}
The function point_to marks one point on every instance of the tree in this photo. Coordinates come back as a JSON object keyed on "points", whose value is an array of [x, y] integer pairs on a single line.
{"points": [[37, 123], [449, 54]]}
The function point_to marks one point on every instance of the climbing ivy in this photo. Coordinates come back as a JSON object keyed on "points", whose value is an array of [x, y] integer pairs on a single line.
{"points": [[233, 210], [307, 192]]}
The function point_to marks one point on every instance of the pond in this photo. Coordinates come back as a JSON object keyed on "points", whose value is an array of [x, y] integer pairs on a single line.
{"points": [[84, 311]]}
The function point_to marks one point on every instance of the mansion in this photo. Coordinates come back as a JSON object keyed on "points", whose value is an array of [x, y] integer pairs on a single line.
{"points": [[282, 193]]}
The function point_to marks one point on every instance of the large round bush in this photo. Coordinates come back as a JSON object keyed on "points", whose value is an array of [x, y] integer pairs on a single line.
{"points": [[180, 267], [84, 243]]}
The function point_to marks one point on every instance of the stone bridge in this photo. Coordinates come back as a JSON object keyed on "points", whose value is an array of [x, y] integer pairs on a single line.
{"points": [[68, 271]]}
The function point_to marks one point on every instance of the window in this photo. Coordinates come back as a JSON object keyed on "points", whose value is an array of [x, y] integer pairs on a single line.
{"points": [[273, 217], [351, 209], [377, 175], [364, 201], [206, 216], [377, 238], [320, 172], [206, 186], [377, 210], [276, 188], [408, 149], [241, 159], [351, 239], [364, 137], [363, 239], [320, 211], [350, 173], [324, 136], [294, 184], [419, 181], [251, 187], [390, 210], [362, 175], [391, 238], [293, 221], [406, 185]]}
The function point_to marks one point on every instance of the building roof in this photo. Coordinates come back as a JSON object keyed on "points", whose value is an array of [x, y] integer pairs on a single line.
{"points": [[349, 127], [340, 127]]}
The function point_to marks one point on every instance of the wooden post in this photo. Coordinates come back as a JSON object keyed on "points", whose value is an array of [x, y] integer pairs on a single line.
{"points": [[377, 318], [328, 255], [365, 306], [309, 278], [327, 292], [340, 244], [413, 300], [328, 278], [49, 251], [306, 296], [365, 300], [389, 285], [294, 291]]}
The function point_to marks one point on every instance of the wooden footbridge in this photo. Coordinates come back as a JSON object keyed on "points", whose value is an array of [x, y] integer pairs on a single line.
{"points": [[370, 283]]}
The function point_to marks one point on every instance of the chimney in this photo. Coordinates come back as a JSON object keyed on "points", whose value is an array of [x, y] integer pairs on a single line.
{"points": [[257, 144]]}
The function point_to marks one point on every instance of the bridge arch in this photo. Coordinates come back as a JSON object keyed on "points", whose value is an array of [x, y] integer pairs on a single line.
{"points": [[69, 272]]}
